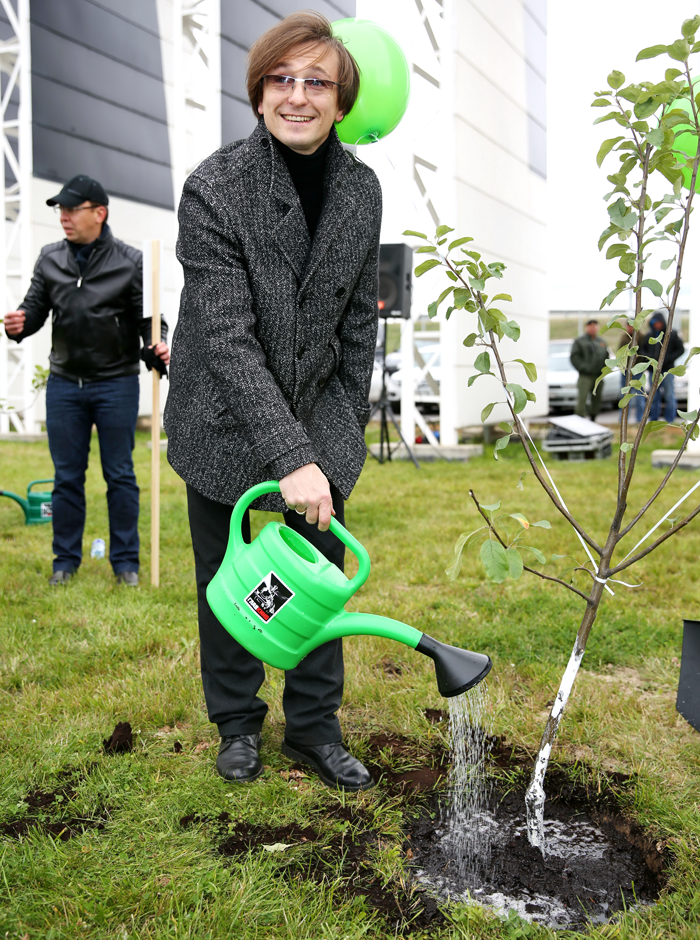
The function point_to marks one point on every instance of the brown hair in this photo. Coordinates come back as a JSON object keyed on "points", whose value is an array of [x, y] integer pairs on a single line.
{"points": [[300, 29]]}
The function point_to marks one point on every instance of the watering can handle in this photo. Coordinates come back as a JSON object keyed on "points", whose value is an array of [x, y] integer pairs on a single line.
{"points": [[35, 482], [272, 486]]}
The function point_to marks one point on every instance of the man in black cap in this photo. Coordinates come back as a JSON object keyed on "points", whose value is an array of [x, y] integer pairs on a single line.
{"points": [[92, 284], [588, 355]]}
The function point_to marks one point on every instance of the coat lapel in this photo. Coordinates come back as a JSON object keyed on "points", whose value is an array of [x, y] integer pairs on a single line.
{"points": [[288, 223], [336, 208]]}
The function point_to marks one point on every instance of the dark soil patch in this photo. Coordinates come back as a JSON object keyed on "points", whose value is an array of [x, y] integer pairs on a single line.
{"points": [[121, 740], [436, 715], [39, 802], [403, 767], [597, 861], [177, 747]]}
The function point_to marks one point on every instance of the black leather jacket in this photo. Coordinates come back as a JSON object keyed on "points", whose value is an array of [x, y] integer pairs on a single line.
{"points": [[97, 318]]}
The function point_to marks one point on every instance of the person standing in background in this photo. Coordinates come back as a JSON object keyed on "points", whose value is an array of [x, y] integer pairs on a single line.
{"points": [[588, 355], [91, 283], [675, 349]]}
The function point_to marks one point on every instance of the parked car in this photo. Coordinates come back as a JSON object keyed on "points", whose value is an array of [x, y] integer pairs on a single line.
{"points": [[562, 379]]}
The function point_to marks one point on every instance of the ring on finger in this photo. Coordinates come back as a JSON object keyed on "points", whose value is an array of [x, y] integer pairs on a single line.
{"points": [[300, 512]]}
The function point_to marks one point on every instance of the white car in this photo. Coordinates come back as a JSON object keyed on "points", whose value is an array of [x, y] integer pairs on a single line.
{"points": [[562, 379]]}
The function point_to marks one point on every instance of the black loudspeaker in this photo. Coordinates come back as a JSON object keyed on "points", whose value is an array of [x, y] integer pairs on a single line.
{"points": [[395, 262]]}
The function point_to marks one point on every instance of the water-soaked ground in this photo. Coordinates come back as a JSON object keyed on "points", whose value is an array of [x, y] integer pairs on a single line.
{"points": [[597, 862]]}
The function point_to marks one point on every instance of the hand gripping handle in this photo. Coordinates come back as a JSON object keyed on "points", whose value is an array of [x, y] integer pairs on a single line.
{"points": [[272, 486]]}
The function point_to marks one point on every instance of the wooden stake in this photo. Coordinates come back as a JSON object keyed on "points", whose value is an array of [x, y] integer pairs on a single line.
{"points": [[155, 419]]}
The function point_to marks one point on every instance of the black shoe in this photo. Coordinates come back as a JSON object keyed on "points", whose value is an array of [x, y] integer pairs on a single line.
{"points": [[60, 577], [130, 578], [238, 758], [335, 766]]}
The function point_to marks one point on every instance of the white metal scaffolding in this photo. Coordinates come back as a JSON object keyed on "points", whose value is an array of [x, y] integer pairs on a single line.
{"points": [[16, 360], [197, 85]]}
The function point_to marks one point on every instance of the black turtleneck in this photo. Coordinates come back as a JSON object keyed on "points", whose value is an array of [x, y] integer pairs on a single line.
{"points": [[307, 172]]}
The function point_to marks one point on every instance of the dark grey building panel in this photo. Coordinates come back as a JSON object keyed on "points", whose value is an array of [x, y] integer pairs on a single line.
{"points": [[242, 22], [98, 96], [96, 28], [121, 173], [74, 66]]}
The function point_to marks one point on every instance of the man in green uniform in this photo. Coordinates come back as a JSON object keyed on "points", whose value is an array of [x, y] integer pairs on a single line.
{"points": [[588, 355]]}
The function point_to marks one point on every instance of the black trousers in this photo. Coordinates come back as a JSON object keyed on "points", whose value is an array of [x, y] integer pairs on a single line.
{"points": [[231, 676]]}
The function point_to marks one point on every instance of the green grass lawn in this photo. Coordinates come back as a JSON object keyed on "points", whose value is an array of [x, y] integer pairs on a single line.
{"points": [[75, 660]]}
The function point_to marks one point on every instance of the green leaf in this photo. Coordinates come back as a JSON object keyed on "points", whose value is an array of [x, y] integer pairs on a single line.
{"points": [[426, 266], [495, 560], [650, 52], [416, 234], [605, 148], [477, 283], [679, 50], [500, 444], [540, 556], [670, 74], [688, 416], [426, 249], [542, 524], [482, 363], [471, 339], [515, 563], [487, 411], [619, 248], [676, 370], [519, 396], [601, 103], [690, 28], [443, 230], [665, 265], [616, 79], [459, 241], [519, 517], [494, 507], [502, 297], [627, 264], [462, 296], [472, 378], [462, 542], [626, 447], [653, 286], [651, 427], [511, 330], [530, 369]]}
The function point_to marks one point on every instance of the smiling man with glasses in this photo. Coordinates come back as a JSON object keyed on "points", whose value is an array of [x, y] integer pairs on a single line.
{"points": [[91, 283], [272, 364]]}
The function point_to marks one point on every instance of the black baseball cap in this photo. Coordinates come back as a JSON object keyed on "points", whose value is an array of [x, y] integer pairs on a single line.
{"points": [[80, 189]]}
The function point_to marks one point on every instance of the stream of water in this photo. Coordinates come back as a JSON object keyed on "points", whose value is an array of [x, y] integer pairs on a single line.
{"points": [[469, 827]]}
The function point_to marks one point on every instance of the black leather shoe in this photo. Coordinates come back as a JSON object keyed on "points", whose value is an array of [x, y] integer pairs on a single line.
{"points": [[60, 577], [130, 578], [335, 766], [238, 758]]}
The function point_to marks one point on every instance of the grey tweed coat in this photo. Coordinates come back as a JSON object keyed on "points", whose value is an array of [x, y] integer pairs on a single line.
{"points": [[273, 352]]}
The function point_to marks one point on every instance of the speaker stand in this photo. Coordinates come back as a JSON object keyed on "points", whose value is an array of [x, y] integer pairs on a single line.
{"points": [[386, 412]]}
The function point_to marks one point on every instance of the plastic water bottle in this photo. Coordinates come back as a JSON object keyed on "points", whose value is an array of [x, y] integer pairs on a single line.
{"points": [[98, 549]]}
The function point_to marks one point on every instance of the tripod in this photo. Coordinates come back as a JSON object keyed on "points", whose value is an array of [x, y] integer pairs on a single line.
{"points": [[383, 406]]}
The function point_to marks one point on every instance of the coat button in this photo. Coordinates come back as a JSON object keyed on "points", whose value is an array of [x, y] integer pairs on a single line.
{"points": [[265, 143], [321, 383], [301, 351], [339, 293]]}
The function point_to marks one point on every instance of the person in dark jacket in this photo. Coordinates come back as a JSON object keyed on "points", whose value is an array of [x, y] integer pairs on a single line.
{"points": [[588, 355], [272, 363], [92, 284], [657, 327]]}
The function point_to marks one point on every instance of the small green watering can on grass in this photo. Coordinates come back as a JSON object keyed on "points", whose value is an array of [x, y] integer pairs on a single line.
{"points": [[37, 506], [281, 598]]}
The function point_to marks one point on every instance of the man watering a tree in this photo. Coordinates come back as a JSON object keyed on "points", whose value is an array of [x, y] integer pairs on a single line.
{"points": [[272, 361]]}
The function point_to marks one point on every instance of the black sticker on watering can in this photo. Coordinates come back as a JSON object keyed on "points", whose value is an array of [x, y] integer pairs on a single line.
{"points": [[269, 597]]}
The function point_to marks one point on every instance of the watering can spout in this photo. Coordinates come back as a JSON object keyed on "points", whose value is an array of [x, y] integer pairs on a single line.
{"points": [[456, 670], [18, 499]]}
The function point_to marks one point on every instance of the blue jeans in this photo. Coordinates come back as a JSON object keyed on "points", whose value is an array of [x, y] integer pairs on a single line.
{"points": [[71, 410], [669, 401]]}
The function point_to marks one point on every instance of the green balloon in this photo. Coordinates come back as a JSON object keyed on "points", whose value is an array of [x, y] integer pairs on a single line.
{"points": [[686, 143], [385, 82]]}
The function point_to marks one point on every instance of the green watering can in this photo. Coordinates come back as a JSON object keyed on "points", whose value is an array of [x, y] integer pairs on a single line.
{"points": [[37, 506], [280, 598]]}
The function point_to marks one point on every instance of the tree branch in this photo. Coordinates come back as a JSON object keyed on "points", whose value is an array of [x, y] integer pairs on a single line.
{"points": [[654, 545], [539, 574]]}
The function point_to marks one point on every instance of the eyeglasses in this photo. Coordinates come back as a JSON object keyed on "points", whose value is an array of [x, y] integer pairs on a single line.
{"points": [[72, 211], [313, 87]]}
